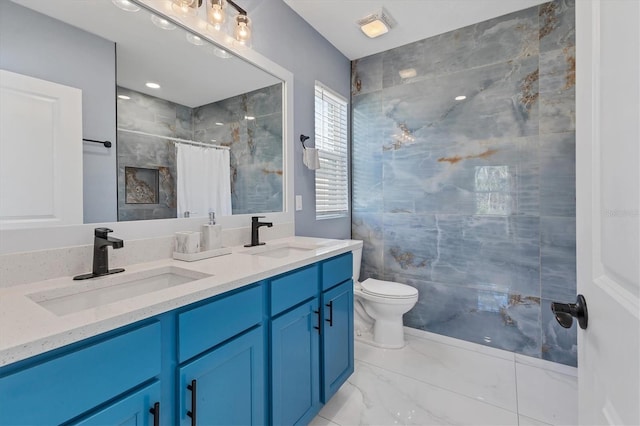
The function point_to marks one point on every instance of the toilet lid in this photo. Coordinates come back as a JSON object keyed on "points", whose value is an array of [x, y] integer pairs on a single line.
{"points": [[388, 289]]}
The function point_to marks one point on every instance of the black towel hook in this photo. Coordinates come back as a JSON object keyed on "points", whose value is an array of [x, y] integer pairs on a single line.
{"points": [[303, 138]]}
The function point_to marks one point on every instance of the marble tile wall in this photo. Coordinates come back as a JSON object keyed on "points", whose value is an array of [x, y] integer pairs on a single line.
{"points": [[256, 147], [473, 201]]}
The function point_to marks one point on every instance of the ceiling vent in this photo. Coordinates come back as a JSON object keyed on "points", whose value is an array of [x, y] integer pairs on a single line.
{"points": [[377, 23]]}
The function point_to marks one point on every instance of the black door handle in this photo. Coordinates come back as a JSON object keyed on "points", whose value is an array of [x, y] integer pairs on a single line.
{"points": [[155, 410], [565, 312], [192, 413], [330, 320]]}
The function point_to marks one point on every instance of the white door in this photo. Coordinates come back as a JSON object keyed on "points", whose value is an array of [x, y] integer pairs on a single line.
{"points": [[40, 153], [608, 206]]}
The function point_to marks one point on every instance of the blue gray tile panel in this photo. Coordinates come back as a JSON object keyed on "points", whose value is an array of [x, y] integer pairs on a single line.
{"points": [[255, 147], [473, 201]]}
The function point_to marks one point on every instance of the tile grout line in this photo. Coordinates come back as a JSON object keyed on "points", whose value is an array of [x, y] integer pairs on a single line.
{"points": [[515, 376]]}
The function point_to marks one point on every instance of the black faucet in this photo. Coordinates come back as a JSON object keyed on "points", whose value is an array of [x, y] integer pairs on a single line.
{"points": [[255, 225], [101, 242]]}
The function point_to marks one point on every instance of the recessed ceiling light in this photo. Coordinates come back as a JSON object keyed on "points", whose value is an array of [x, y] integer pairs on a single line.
{"points": [[219, 124], [221, 53], [408, 73], [249, 117], [376, 23], [126, 5], [162, 23], [125, 97], [152, 85], [460, 98], [194, 39]]}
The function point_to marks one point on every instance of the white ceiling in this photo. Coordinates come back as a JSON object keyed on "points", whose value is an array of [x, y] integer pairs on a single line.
{"points": [[416, 19]]}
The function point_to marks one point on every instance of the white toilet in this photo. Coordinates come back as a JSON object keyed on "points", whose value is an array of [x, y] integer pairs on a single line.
{"points": [[379, 306]]}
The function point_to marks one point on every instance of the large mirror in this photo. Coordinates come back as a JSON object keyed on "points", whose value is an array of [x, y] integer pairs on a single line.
{"points": [[209, 138]]}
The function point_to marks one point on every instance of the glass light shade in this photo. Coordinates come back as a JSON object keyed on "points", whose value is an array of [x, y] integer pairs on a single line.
{"points": [[216, 14], [243, 30], [184, 7]]}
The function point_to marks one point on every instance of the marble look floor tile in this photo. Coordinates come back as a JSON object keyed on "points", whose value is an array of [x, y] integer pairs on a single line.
{"points": [[476, 375], [546, 395], [462, 344], [375, 396]]}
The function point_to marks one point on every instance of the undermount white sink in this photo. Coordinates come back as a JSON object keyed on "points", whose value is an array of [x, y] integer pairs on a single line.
{"points": [[112, 288], [281, 250]]}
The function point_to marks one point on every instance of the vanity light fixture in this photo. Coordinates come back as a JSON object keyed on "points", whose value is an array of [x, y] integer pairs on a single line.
{"points": [[460, 98], [216, 16], [126, 5], [377, 23], [186, 7], [243, 29], [152, 85], [162, 23]]}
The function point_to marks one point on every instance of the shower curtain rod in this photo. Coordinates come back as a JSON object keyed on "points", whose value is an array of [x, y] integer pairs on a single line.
{"points": [[175, 140]]}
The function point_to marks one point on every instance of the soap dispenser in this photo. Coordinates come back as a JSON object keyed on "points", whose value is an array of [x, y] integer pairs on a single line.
{"points": [[211, 234]]}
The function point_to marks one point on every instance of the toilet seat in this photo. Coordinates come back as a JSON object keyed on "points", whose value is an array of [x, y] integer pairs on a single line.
{"points": [[388, 289]]}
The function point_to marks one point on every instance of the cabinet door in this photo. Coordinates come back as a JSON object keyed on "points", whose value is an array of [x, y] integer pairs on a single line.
{"points": [[337, 338], [139, 409], [295, 365], [225, 386]]}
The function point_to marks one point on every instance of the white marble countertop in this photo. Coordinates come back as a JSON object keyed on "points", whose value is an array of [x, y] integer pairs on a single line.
{"points": [[28, 329]]}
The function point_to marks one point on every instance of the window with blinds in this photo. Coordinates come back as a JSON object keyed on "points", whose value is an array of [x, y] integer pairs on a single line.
{"points": [[332, 179]]}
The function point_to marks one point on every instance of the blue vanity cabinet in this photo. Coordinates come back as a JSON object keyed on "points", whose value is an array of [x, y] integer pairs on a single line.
{"points": [[295, 347], [97, 374], [227, 385], [142, 408], [295, 365], [337, 338], [221, 356]]}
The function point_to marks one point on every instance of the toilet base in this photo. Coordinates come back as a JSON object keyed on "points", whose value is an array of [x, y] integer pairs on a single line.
{"points": [[367, 338], [364, 333]]}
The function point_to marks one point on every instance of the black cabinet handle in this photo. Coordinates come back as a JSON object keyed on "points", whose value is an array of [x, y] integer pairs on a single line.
{"points": [[155, 410], [317, 327], [192, 413], [330, 320]]}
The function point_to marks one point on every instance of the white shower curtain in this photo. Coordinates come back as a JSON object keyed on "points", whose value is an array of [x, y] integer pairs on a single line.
{"points": [[204, 182]]}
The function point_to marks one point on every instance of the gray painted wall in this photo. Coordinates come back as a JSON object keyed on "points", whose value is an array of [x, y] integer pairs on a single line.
{"points": [[38, 46], [285, 38]]}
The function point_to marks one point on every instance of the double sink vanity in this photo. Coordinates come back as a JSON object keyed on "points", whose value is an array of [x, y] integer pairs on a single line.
{"points": [[263, 335]]}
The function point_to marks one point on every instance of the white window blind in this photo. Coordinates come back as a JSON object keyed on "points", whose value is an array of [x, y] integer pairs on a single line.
{"points": [[332, 179]]}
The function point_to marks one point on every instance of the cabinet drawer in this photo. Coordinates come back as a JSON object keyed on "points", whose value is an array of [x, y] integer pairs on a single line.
{"points": [[293, 288], [206, 326], [64, 387], [337, 270]]}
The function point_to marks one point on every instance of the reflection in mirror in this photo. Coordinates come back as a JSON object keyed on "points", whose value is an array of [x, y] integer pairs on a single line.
{"points": [[209, 138]]}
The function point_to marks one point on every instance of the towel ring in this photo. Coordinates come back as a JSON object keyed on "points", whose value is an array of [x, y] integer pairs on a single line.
{"points": [[303, 138]]}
